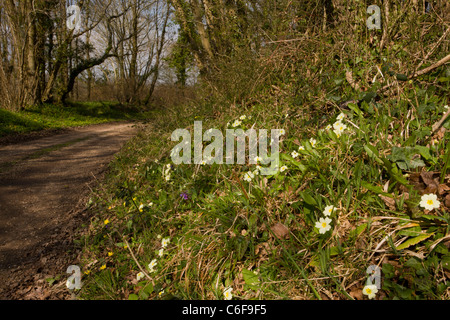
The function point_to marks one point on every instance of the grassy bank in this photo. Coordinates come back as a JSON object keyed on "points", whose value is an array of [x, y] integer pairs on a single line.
{"points": [[192, 231], [72, 115]]}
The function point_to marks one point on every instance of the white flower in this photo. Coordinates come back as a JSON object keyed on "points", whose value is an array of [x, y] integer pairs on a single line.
{"points": [[165, 242], [227, 294], [340, 117], [370, 291], [339, 128], [294, 154], [283, 168], [328, 127], [282, 132], [429, 201], [161, 252], [139, 276], [323, 225], [228, 124], [150, 204], [446, 107], [258, 159], [328, 210], [152, 265], [313, 142], [242, 117], [248, 176], [141, 207], [236, 123], [301, 148]]}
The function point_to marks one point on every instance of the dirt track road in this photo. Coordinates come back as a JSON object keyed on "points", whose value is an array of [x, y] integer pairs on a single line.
{"points": [[43, 186]]}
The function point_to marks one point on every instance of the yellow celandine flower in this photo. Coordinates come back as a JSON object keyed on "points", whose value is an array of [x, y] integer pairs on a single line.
{"points": [[429, 201], [106, 221], [103, 267], [110, 254], [323, 225], [370, 291], [227, 294], [87, 272]]}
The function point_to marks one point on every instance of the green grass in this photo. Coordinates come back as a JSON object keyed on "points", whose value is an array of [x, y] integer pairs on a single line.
{"points": [[51, 116]]}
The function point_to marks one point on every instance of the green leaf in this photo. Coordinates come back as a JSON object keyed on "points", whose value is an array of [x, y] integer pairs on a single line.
{"points": [[133, 297], [402, 77], [308, 198], [375, 189], [251, 279], [359, 229], [372, 152], [414, 241]]}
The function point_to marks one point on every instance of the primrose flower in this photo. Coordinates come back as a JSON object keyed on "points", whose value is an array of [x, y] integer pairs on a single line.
{"points": [[236, 123], [294, 154], [339, 128], [328, 210], [370, 291], [165, 242], [429, 201], [139, 276], [283, 168], [313, 142], [248, 176], [323, 225], [152, 265], [340, 117], [227, 294]]}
